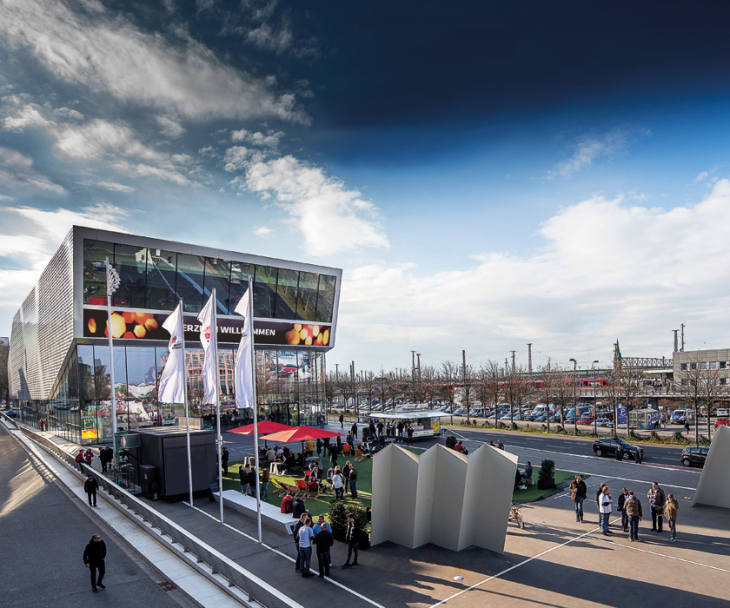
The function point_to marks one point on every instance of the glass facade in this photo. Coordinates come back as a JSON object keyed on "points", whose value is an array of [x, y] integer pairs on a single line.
{"points": [[156, 279], [290, 387]]}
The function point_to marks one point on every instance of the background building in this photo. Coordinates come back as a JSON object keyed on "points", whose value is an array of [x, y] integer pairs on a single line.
{"points": [[59, 355]]}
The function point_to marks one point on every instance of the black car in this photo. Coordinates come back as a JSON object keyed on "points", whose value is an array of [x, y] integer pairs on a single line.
{"points": [[694, 456], [607, 447]]}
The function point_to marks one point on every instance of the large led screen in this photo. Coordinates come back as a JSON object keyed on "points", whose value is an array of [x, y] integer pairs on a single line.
{"points": [[130, 325]]}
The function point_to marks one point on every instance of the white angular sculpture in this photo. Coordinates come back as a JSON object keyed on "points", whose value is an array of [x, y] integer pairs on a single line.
{"points": [[442, 497], [714, 486]]}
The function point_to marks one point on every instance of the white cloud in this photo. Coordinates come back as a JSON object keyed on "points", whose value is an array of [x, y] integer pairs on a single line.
{"points": [[68, 113], [271, 140], [115, 187], [36, 240], [236, 158], [702, 177], [170, 128], [267, 38], [607, 269], [90, 141], [108, 53], [17, 174], [590, 148], [27, 116], [263, 231], [330, 217]]}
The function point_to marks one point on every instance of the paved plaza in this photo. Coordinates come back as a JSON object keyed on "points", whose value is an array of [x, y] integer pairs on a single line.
{"points": [[554, 561]]}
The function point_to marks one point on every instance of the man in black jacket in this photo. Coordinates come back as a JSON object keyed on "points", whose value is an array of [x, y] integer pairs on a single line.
{"points": [[94, 555], [353, 481], [224, 461], [352, 537], [90, 487], [324, 541], [624, 516]]}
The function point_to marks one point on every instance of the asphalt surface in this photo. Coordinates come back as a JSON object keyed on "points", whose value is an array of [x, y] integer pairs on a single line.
{"points": [[43, 534]]}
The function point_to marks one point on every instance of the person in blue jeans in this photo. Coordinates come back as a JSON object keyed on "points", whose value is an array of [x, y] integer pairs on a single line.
{"points": [[264, 484], [578, 493], [604, 507], [306, 534]]}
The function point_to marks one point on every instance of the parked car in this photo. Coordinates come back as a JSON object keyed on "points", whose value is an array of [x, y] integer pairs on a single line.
{"points": [[721, 422], [603, 422], [694, 456], [585, 420], [11, 413], [607, 447]]}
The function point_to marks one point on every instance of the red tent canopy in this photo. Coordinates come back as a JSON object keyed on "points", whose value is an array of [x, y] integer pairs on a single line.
{"points": [[264, 427], [301, 433]]}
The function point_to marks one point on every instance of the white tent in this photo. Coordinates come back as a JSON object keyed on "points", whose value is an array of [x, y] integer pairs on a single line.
{"points": [[442, 497], [714, 486]]}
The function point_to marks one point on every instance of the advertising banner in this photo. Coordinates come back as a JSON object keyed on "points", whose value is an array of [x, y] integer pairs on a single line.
{"points": [[131, 325]]}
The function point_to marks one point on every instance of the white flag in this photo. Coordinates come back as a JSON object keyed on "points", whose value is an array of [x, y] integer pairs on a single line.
{"points": [[209, 338], [172, 381], [244, 372]]}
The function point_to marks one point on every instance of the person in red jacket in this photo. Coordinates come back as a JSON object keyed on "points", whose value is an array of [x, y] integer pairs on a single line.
{"points": [[287, 505]]}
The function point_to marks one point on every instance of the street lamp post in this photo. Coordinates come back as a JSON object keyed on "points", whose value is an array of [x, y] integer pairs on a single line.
{"points": [[575, 405], [112, 284], [595, 406]]}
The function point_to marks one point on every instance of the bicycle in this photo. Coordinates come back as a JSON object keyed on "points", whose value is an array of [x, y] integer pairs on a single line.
{"points": [[514, 513]]}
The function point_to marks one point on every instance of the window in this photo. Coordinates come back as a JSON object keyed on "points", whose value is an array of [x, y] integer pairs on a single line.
{"points": [[161, 271], [714, 364], [326, 298], [723, 381], [307, 298], [239, 283], [693, 366], [264, 292], [95, 254], [190, 279], [287, 286], [723, 364], [684, 382], [683, 366], [131, 264], [217, 276]]}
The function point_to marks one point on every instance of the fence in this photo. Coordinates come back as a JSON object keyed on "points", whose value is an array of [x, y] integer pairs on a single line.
{"points": [[253, 587]]}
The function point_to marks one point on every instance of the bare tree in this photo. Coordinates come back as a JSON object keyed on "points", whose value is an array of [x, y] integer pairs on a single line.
{"points": [[449, 376], [429, 384], [546, 389], [699, 382]]}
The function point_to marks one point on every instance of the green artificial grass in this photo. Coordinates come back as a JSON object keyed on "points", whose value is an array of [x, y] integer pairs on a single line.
{"points": [[531, 493]]}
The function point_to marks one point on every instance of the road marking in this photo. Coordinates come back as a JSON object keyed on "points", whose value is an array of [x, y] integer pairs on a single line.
{"points": [[635, 548], [500, 574], [291, 559]]}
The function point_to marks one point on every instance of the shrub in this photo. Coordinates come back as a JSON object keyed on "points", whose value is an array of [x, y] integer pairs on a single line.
{"points": [[513, 426], [678, 437], [547, 470], [543, 428], [654, 437], [501, 425], [451, 442], [704, 440], [561, 430], [338, 515], [633, 434]]}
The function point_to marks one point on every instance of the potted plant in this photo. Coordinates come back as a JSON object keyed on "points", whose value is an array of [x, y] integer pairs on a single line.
{"points": [[546, 476]]}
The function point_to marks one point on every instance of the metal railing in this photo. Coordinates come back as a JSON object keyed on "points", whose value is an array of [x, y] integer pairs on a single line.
{"points": [[254, 588]]}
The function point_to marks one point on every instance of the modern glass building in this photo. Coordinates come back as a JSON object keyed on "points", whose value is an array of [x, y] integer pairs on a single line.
{"points": [[59, 359]]}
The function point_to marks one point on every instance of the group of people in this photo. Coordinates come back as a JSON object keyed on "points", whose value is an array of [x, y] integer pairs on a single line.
{"points": [[84, 457], [248, 477], [629, 505], [308, 535]]}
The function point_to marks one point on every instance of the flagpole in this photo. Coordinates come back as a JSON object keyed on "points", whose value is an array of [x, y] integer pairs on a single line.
{"points": [[214, 333], [187, 406], [255, 406]]}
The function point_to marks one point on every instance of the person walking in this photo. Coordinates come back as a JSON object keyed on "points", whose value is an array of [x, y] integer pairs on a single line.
{"points": [[224, 461], [599, 493], [352, 537], [621, 509], [605, 503], [342, 421], [632, 508], [619, 453], [90, 487], [686, 426], [400, 428], [354, 430], [578, 492], [346, 475], [94, 556], [657, 498], [409, 432], [306, 534], [671, 507], [324, 540], [353, 481]]}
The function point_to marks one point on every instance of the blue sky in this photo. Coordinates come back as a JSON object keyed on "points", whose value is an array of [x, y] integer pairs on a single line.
{"points": [[487, 174]]}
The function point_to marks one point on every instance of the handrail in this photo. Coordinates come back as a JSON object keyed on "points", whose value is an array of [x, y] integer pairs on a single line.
{"points": [[255, 588]]}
